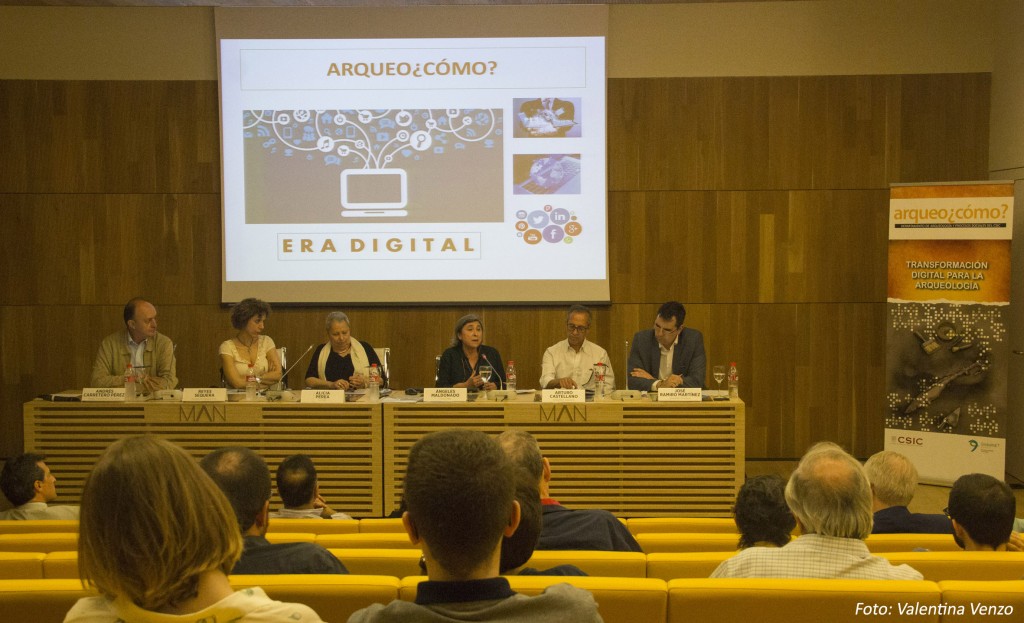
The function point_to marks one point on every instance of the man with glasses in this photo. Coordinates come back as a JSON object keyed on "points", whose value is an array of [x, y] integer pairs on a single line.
{"points": [[669, 355], [570, 364]]}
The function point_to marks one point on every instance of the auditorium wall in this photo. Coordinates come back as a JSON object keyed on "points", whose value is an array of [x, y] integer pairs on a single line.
{"points": [[750, 146]]}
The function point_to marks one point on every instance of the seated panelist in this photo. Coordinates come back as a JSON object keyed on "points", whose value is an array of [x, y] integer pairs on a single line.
{"points": [[460, 363], [669, 355], [342, 361], [140, 345], [250, 346]]}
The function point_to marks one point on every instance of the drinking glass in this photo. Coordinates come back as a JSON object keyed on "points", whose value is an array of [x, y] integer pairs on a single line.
{"points": [[719, 373], [485, 374]]}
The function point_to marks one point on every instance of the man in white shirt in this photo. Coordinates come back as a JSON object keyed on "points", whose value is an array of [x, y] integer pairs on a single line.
{"points": [[571, 363], [30, 487]]}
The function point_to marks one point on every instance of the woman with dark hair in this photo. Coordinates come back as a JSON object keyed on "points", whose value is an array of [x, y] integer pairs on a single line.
{"points": [[460, 364], [250, 346], [761, 513]]}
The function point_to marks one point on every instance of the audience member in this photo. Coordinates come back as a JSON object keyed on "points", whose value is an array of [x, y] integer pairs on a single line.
{"points": [[157, 540], [460, 493], [30, 486], [517, 549], [830, 497], [981, 509], [142, 346], [893, 481], [761, 513], [299, 488], [244, 478], [564, 529]]}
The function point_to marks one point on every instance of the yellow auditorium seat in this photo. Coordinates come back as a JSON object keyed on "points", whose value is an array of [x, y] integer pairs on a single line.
{"points": [[39, 542], [39, 601], [381, 525], [21, 565], [669, 566], [334, 597], [17, 526], [686, 542], [371, 561], [619, 600], [937, 566], [598, 564], [983, 601], [316, 526], [291, 537], [909, 542], [798, 601], [61, 565], [642, 525], [380, 540]]}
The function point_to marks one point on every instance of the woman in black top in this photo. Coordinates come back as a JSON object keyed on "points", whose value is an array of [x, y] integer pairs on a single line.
{"points": [[460, 364], [341, 362]]}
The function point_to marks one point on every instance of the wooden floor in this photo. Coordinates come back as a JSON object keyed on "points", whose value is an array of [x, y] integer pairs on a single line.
{"points": [[928, 499]]}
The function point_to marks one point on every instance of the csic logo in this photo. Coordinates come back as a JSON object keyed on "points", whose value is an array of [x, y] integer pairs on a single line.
{"points": [[910, 441], [973, 444]]}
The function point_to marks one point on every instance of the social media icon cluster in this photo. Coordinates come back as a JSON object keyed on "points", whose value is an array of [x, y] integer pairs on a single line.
{"points": [[550, 224]]}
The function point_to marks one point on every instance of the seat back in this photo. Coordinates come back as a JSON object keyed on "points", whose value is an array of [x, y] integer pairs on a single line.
{"points": [[291, 537], [797, 600], [643, 525], [619, 600], [333, 597], [44, 542], [39, 601], [686, 542], [937, 566], [669, 566], [380, 540], [381, 525], [1000, 600], [19, 526], [909, 542], [371, 561], [21, 565], [61, 565], [315, 526], [597, 564]]}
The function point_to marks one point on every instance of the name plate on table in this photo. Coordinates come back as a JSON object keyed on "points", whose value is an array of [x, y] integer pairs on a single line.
{"points": [[204, 394], [679, 394], [445, 394], [323, 395], [563, 395], [103, 394]]}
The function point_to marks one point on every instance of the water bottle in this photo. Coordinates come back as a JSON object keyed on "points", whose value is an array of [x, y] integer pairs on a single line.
{"points": [[373, 384], [252, 385], [599, 373], [734, 381], [129, 382], [510, 376]]}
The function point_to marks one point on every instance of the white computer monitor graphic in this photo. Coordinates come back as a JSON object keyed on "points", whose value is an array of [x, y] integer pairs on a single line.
{"points": [[374, 192]]}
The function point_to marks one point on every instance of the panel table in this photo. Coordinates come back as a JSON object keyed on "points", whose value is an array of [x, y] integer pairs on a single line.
{"points": [[343, 440], [635, 459]]}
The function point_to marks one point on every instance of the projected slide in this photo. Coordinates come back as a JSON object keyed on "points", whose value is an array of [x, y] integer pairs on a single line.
{"points": [[414, 163]]}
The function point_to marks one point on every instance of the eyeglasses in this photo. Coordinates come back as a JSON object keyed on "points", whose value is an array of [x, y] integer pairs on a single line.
{"points": [[576, 328], [945, 512], [660, 329]]}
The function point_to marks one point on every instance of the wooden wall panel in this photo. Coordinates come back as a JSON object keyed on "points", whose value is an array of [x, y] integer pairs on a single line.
{"points": [[759, 202], [109, 136]]}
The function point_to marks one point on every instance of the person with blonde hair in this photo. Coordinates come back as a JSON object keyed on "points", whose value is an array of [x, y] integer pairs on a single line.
{"points": [[830, 497], [893, 483], [157, 539]]}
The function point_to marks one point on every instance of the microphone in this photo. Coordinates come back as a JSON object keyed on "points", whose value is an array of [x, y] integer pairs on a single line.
{"points": [[301, 357]]}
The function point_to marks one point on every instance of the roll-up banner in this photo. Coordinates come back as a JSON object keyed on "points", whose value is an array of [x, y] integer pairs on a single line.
{"points": [[947, 347]]}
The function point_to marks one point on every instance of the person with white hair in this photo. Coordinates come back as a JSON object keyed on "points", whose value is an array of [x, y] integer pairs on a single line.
{"points": [[893, 481]]}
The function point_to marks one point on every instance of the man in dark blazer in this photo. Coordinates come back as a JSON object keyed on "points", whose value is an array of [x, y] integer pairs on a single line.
{"points": [[684, 346]]}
